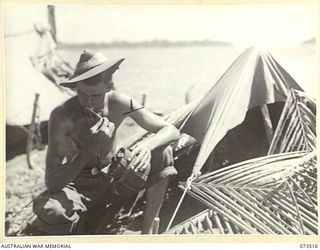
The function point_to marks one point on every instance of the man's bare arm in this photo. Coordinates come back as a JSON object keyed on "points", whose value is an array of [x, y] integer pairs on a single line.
{"points": [[58, 173], [164, 131]]}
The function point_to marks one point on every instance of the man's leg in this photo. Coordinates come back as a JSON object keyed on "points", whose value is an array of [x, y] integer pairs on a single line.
{"points": [[155, 196], [161, 169], [69, 211], [60, 213]]}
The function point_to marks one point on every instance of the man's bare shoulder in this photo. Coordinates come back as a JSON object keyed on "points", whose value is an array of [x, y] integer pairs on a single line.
{"points": [[63, 114], [118, 100]]}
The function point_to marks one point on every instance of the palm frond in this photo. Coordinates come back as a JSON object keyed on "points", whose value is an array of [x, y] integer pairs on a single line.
{"points": [[296, 130], [274, 194]]}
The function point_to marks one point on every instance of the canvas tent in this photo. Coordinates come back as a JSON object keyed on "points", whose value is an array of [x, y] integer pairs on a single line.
{"points": [[254, 79], [23, 80]]}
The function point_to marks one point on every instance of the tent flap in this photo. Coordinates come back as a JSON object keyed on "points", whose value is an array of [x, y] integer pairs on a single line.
{"points": [[254, 79]]}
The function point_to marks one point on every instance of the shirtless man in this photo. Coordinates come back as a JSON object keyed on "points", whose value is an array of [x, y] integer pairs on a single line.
{"points": [[75, 184]]}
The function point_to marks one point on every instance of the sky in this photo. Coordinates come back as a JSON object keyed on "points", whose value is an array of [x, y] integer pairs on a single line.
{"points": [[277, 25]]}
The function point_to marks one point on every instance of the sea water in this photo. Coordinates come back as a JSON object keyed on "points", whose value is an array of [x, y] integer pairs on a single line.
{"points": [[164, 74]]}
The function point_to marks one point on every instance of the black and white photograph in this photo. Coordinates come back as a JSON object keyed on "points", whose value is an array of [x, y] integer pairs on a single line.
{"points": [[160, 119]]}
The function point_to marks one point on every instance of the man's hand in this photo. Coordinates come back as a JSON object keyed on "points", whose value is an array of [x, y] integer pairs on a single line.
{"points": [[102, 124], [140, 158]]}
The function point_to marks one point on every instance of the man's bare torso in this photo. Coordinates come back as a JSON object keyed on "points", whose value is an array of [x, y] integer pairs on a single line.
{"points": [[79, 135]]}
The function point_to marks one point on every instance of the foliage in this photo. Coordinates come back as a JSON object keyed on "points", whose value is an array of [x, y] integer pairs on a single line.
{"points": [[269, 195]]}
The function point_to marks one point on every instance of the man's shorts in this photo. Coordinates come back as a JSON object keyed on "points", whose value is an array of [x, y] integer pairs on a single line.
{"points": [[63, 212]]}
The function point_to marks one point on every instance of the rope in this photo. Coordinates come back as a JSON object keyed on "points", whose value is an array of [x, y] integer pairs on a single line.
{"points": [[188, 187]]}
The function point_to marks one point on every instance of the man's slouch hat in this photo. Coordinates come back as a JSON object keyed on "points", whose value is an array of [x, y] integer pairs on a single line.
{"points": [[89, 65]]}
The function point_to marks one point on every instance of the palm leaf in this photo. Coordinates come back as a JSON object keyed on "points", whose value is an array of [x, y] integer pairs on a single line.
{"points": [[281, 201], [296, 128]]}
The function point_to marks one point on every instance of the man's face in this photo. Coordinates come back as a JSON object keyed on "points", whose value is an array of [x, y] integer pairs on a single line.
{"points": [[92, 101], [91, 94]]}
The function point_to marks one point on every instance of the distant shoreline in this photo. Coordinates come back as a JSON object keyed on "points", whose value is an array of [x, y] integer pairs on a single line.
{"points": [[311, 41], [155, 43]]}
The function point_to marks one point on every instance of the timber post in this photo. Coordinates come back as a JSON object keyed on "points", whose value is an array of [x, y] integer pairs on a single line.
{"points": [[143, 103], [32, 130], [52, 22], [155, 225], [188, 94], [143, 99]]}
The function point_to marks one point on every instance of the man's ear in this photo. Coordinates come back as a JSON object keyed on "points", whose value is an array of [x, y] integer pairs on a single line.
{"points": [[108, 73], [112, 85], [108, 80]]}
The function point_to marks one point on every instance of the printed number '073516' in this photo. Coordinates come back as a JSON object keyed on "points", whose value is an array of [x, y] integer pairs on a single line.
{"points": [[308, 246]]}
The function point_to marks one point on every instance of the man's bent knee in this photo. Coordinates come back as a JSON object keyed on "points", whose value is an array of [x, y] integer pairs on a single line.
{"points": [[162, 164], [55, 216]]}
